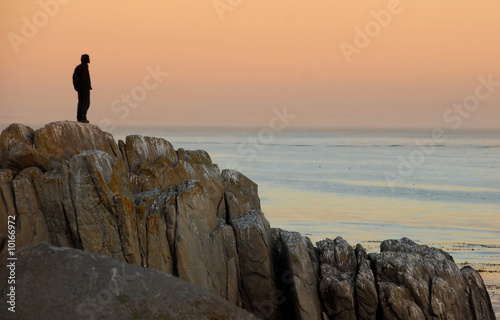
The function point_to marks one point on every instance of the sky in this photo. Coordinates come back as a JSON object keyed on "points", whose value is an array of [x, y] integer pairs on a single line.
{"points": [[239, 63]]}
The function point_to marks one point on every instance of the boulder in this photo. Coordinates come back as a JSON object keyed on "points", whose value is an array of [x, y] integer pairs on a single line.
{"points": [[15, 133], [17, 150], [241, 194], [479, 299], [208, 175], [64, 283], [64, 139], [200, 157], [145, 153], [366, 289], [152, 230], [7, 206], [204, 245], [421, 282], [18, 132], [56, 203], [301, 265], [31, 226], [255, 244], [104, 206], [337, 278], [22, 155]]}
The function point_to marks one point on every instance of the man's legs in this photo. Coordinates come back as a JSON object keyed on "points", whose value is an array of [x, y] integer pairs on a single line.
{"points": [[79, 108], [83, 106]]}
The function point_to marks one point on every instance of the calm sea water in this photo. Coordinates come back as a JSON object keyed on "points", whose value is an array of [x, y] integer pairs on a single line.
{"points": [[368, 186]]}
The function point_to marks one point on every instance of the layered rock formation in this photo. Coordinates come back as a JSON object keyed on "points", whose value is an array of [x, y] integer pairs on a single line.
{"points": [[142, 202]]}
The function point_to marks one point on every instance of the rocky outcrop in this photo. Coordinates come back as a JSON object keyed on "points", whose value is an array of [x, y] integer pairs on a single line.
{"points": [[240, 193], [258, 276], [338, 278], [300, 265], [64, 283], [366, 289], [142, 202], [419, 282]]}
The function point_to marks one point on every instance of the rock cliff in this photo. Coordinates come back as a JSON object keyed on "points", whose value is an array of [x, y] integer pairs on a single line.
{"points": [[144, 203]]}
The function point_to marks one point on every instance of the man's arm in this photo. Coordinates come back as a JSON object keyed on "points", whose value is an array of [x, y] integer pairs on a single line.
{"points": [[90, 83], [76, 78]]}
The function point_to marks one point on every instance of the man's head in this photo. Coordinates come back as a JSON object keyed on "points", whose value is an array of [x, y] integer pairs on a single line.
{"points": [[85, 58]]}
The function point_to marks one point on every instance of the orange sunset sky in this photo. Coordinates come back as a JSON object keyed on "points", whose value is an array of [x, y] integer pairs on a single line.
{"points": [[332, 63]]}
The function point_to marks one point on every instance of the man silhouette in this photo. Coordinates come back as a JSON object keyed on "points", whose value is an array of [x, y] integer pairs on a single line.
{"points": [[81, 83]]}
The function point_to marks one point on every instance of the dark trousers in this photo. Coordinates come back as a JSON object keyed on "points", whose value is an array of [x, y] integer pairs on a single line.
{"points": [[83, 105]]}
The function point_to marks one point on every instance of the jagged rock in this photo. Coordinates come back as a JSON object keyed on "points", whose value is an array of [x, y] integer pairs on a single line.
{"points": [[104, 206], [347, 283], [17, 151], [55, 200], [30, 222], [7, 206], [479, 299], [153, 163], [15, 133], [152, 230], [141, 183], [207, 174], [283, 277], [22, 155], [142, 202], [143, 153], [241, 193], [18, 132], [255, 250], [200, 157], [420, 282], [366, 290], [337, 278], [302, 265], [64, 283], [204, 245]]}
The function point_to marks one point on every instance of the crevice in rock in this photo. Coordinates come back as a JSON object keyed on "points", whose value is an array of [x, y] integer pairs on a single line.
{"points": [[355, 289], [71, 236], [285, 285], [174, 245], [139, 243], [73, 204], [372, 257]]}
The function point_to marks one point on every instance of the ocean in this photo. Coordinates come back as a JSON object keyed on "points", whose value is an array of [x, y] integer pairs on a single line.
{"points": [[437, 188]]}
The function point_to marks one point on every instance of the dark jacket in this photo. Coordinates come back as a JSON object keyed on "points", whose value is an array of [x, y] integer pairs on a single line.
{"points": [[81, 78]]}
